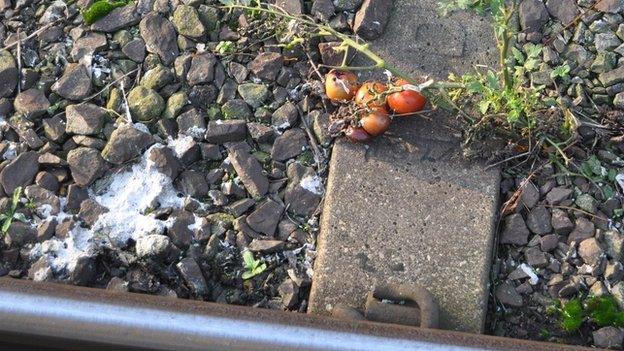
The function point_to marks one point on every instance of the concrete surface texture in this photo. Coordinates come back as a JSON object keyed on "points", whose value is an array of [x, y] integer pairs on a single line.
{"points": [[406, 209]]}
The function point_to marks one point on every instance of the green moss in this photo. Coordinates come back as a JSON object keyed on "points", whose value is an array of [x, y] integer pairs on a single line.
{"points": [[572, 315], [605, 312], [220, 217], [100, 9]]}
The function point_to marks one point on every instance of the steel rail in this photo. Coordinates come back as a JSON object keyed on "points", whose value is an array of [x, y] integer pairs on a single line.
{"points": [[68, 317]]}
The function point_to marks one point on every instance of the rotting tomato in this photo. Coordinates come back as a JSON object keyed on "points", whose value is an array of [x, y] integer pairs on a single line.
{"points": [[406, 101], [376, 122], [357, 134], [371, 95], [340, 85]]}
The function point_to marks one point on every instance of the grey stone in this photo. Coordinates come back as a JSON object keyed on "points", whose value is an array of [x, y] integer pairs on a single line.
{"points": [[618, 100], [265, 218], [371, 18], [549, 242], [160, 37], [606, 41], [90, 211], [515, 230], [261, 133], [583, 229], [587, 203], [347, 5], [46, 202], [288, 145], [591, 251], [612, 77], [193, 183], [165, 161], [238, 72], [75, 196], [88, 45], [538, 220], [126, 143], [117, 19], [535, 257], [32, 103], [508, 296], [557, 195], [21, 171], [614, 244], [192, 274], [157, 77], [563, 10], [561, 223], [84, 119], [238, 208], [236, 109], [84, 271], [86, 165], [201, 70], [193, 123], [8, 73], [54, 128], [533, 15], [608, 337], [19, 234], [253, 94], [266, 65], [610, 6], [40, 271], [187, 22], [265, 246], [219, 132], [75, 84], [153, 245], [304, 191], [145, 104], [323, 9], [47, 180], [294, 7], [135, 50], [179, 232], [289, 292], [250, 172], [285, 117], [530, 195]]}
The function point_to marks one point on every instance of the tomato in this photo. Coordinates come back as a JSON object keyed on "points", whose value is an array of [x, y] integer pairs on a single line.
{"points": [[368, 95], [340, 86], [376, 122], [357, 134], [406, 101]]}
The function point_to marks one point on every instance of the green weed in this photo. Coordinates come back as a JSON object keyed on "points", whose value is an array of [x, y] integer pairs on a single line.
{"points": [[252, 266], [7, 218]]}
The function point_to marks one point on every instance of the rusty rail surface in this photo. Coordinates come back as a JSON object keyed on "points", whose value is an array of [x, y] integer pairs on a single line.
{"points": [[63, 317]]}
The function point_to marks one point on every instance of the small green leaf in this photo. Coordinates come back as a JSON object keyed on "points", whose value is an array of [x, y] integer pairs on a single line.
{"points": [[3, 217], [248, 259], [518, 55], [531, 64], [484, 106], [532, 50], [20, 217], [17, 193], [492, 80], [6, 224], [560, 71]]}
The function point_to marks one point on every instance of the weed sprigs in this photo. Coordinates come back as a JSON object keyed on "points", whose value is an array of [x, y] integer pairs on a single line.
{"points": [[503, 100], [602, 311], [11, 214]]}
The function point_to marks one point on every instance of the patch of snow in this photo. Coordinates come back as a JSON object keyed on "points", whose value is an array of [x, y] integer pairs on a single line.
{"points": [[180, 145], [533, 278], [620, 180], [219, 121], [196, 132], [142, 127], [313, 184], [11, 151], [128, 195]]}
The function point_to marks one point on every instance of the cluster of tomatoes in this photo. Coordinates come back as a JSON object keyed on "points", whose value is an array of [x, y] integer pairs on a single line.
{"points": [[373, 102]]}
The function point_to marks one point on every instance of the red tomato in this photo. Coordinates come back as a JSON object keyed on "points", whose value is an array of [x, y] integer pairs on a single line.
{"points": [[376, 122], [369, 95], [340, 86], [406, 101], [357, 134]]}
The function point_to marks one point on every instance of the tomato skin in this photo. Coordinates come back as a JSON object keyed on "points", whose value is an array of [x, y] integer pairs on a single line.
{"points": [[376, 122], [357, 134], [340, 85], [365, 95], [406, 101]]}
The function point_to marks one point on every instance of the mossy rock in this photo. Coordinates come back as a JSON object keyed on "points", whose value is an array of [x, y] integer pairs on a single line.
{"points": [[253, 94], [175, 104], [145, 104], [187, 22]]}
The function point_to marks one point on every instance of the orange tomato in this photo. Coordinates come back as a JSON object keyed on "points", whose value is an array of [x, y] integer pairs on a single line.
{"points": [[406, 101], [340, 86], [369, 95], [376, 122]]}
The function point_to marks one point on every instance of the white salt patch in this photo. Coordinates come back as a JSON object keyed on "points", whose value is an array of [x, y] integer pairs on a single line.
{"points": [[620, 180], [11, 152], [128, 195], [284, 125], [180, 145], [219, 121], [196, 132], [142, 127], [313, 184], [533, 278]]}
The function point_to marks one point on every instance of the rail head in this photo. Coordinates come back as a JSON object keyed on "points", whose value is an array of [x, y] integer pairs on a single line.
{"points": [[66, 317]]}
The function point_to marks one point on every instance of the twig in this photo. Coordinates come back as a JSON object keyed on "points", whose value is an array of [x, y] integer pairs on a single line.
{"points": [[108, 86], [577, 210], [19, 62], [19, 41], [319, 158]]}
